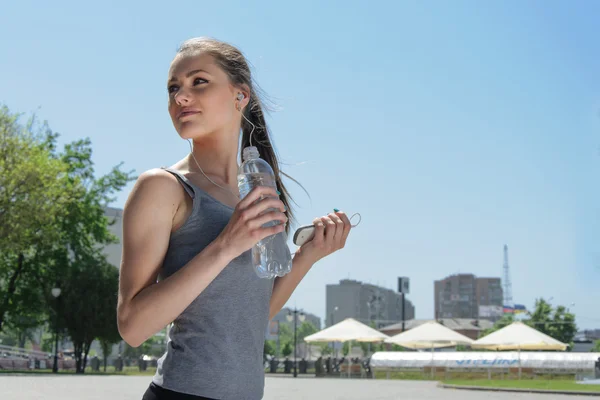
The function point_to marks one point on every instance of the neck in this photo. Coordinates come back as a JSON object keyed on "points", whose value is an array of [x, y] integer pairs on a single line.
{"points": [[217, 155]]}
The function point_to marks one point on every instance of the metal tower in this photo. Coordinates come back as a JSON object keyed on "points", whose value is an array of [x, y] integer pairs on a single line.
{"points": [[508, 300]]}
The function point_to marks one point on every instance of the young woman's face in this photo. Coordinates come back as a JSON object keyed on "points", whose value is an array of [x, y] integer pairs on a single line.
{"points": [[201, 97]]}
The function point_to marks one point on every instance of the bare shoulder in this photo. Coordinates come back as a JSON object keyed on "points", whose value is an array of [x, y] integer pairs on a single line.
{"points": [[147, 223], [154, 181], [155, 187]]}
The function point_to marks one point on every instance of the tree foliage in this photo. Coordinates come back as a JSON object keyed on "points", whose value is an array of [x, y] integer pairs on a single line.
{"points": [[306, 329], [86, 307], [555, 322], [32, 199], [52, 233], [270, 347], [154, 346], [287, 349], [506, 320]]}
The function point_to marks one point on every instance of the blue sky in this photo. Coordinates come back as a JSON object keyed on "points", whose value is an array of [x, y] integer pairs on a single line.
{"points": [[452, 127]]}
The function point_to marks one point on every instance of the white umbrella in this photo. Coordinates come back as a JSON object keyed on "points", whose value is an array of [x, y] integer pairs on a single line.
{"points": [[347, 331], [518, 336], [429, 335]]}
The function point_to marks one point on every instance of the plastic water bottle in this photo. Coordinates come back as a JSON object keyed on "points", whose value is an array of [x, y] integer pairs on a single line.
{"points": [[271, 256]]}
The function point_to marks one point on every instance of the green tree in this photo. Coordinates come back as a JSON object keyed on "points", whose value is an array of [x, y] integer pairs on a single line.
{"points": [[154, 346], [596, 348], [506, 320], [325, 349], [554, 322], [7, 338], [306, 329], [346, 348], [51, 217], [286, 335], [375, 347], [364, 346], [84, 304], [270, 347], [32, 199], [287, 349]]}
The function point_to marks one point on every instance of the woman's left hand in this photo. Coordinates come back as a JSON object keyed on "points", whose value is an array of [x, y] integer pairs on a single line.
{"points": [[331, 232]]}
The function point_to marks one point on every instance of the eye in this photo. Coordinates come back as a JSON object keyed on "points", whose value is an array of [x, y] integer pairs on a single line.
{"points": [[172, 88], [198, 81]]}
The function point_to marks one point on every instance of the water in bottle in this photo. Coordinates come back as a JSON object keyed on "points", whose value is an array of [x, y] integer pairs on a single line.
{"points": [[271, 256]]}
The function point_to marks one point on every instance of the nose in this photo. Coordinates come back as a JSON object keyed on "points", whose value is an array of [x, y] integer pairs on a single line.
{"points": [[182, 97]]}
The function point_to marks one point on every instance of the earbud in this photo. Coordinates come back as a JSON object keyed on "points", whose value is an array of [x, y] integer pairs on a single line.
{"points": [[241, 96]]}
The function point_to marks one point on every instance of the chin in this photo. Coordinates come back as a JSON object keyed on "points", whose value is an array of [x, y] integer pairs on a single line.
{"points": [[191, 131]]}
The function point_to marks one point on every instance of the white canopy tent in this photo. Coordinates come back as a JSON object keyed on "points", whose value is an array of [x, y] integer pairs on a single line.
{"points": [[348, 330], [518, 336], [430, 335]]}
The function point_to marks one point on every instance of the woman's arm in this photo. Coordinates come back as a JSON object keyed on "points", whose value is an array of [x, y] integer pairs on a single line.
{"points": [[284, 286], [325, 242], [144, 306]]}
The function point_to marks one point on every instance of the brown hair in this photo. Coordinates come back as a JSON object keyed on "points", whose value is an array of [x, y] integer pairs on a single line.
{"points": [[233, 62]]}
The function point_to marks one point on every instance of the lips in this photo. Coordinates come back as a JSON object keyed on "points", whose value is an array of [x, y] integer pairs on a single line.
{"points": [[186, 113]]}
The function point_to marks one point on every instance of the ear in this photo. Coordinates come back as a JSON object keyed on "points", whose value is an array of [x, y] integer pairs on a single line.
{"points": [[245, 90]]}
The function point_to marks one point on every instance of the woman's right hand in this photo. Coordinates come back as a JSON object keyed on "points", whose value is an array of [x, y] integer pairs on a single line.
{"points": [[245, 228]]}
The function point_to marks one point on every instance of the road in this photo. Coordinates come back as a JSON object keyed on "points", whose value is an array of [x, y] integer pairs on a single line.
{"points": [[89, 387]]}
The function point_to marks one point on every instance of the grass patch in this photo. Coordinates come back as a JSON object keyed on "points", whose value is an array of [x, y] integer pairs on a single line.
{"points": [[462, 375], [406, 375], [561, 385]]}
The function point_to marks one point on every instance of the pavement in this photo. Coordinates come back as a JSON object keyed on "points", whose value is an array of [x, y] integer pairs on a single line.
{"points": [[98, 387]]}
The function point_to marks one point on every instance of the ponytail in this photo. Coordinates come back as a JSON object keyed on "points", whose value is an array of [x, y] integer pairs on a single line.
{"points": [[261, 139]]}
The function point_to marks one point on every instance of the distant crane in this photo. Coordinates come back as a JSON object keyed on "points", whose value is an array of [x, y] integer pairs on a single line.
{"points": [[508, 300]]}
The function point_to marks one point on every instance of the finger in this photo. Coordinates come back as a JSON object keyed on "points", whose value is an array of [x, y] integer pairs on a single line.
{"points": [[319, 237], [339, 228], [347, 225], [260, 207], [268, 231], [267, 217], [256, 194], [329, 230]]}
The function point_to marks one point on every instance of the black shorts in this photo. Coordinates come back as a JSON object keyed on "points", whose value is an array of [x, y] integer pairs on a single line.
{"points": [[155, 392]]}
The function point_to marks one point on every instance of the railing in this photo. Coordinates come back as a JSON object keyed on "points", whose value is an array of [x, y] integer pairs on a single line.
{"points": [[20, 353]]}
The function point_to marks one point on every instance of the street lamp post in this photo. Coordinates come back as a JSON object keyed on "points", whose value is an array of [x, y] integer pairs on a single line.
{"points": [[294, 315], [56, 293], [403, 311]]}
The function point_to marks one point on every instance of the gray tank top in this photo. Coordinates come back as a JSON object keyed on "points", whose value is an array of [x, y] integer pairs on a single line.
{"points": [[215, 347]]}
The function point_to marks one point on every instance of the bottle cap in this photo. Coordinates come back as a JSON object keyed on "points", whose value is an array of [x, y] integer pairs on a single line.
{"points": [[250, 153]]}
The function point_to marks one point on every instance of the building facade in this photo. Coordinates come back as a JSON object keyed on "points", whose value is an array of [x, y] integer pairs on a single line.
{"points": [[113, 251], [366, 303], [466, 296]]}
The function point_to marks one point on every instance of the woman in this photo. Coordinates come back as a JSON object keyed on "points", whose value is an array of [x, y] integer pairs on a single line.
{"points": [[187, 236]]}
